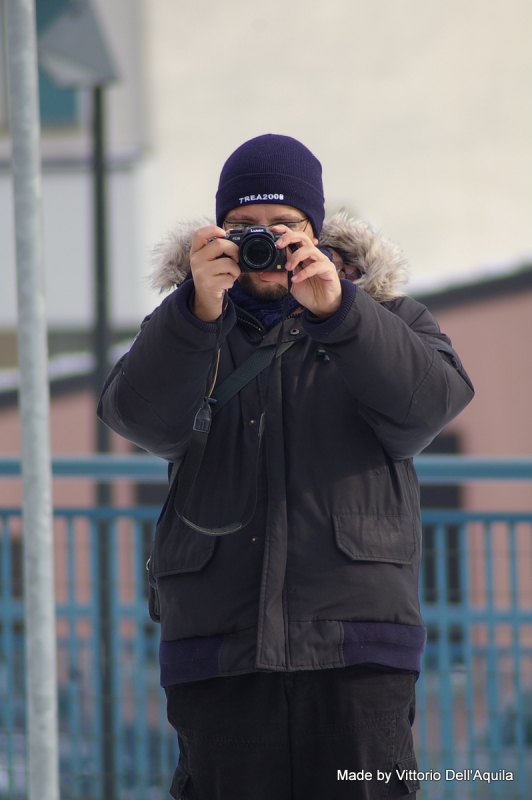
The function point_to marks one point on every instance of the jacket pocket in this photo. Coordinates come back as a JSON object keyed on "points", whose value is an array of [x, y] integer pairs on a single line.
{"points": [[178, 549], [376, 537], [154, 609]]}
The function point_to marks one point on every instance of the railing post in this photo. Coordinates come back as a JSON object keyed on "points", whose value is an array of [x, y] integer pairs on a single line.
{"points": [[41, 669]]}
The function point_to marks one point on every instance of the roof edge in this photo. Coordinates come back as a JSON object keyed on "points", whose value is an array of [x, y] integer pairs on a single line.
{"points": [[478, 291]]}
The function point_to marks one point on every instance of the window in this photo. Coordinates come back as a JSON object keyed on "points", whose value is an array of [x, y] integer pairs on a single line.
{"points": [[57, 106]]}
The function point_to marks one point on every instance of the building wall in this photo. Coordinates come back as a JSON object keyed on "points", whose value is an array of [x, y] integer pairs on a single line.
{"points": [[68, 249], [67, 190], [493, 340], [420, 112], [72, 426]]}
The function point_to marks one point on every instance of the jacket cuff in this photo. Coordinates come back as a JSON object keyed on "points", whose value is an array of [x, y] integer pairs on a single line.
{"points": [[318, 327], [185, 298]]}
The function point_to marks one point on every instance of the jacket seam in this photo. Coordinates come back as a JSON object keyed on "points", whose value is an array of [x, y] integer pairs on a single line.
{"points": [[341, 640], [418, 388], [383, 641], [286, 623], [267, 665], [144, 400]]}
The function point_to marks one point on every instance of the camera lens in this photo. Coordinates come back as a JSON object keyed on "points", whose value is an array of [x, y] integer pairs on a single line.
{"points": [[258, 253]]}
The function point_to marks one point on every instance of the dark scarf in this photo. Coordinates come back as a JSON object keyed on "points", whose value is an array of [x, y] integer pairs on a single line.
{"points": [[268, 313]]}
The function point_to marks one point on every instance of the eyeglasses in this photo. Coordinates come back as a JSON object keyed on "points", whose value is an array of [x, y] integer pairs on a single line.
{"points": [[294, 225]]}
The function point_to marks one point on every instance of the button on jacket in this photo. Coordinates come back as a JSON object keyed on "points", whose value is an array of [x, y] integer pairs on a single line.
{"points": [[326, 573]]}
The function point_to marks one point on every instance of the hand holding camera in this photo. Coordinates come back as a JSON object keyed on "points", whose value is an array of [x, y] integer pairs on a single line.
{"points": [[278, 249], [218, 258], [315, 281], [214, 266]]}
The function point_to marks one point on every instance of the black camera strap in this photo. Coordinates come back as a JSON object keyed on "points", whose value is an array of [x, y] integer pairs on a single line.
{"points": [[244, 374], [212, 403]]}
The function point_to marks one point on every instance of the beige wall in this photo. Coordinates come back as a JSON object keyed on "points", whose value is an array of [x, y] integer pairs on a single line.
{"points": [[420, 111], [493, 339]]}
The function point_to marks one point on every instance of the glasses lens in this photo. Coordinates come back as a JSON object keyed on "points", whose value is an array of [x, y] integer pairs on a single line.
{"points": [[298, 225], [295, 226]]}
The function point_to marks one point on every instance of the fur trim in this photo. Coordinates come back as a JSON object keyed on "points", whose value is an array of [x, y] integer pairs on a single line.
{"points": [[171, 257], [381, 264]]}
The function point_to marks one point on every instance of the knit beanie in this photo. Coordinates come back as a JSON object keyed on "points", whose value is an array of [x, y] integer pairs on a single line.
{"points": [[272, 169]]}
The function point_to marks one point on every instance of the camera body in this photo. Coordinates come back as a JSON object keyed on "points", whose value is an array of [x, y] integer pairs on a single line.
{"points": [[256, 249]]}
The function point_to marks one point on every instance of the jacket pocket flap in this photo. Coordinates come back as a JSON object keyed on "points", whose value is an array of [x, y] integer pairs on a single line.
{"points": [[406, 771], [180, 549], [376, 537]]}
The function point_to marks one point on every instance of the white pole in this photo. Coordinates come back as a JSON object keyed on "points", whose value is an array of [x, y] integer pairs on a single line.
{"points": [[41, 668]]}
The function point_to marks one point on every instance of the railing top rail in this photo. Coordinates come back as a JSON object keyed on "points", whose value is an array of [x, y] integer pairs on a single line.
{"points": [[150, 513], [460, 469], [430, 469]]}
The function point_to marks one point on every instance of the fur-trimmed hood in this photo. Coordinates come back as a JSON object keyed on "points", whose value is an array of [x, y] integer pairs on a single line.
{"points": [[379, 266]]}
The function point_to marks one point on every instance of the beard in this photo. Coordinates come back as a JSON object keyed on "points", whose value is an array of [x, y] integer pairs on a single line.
{"points": [[267, 292]]}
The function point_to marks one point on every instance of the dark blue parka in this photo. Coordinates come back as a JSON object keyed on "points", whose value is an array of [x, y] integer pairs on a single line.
{"points": [[326, 573]]}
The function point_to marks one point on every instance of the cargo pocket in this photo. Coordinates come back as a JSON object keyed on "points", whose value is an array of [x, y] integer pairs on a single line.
{"points": [[406, 771], [153, 603], [178, 549], [180, 785], [376, 537]]}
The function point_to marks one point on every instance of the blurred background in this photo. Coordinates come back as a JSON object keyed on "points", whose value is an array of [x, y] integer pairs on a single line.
{"points": [[419, 110], [421, 114]]}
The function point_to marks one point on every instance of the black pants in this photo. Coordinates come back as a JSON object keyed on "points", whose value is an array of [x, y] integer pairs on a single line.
{"points": [[295, 736]]}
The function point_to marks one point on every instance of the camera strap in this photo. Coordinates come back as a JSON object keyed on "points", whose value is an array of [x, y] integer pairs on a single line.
{"points": [[212, 403]]}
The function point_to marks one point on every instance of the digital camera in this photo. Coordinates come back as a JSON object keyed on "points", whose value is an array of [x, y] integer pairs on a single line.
{"points": [[256, 249]]}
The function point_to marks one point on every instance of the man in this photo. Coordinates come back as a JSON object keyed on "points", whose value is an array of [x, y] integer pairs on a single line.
{"points": [[290, 647]]}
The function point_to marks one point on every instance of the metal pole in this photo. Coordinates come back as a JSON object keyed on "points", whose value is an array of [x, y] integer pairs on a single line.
{"points": [[103, 444], [41, 670], [101, 280]]}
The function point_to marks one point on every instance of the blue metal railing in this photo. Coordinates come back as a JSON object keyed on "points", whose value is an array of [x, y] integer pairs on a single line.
{"points": [[145, 745], [474, 694], [430, 469]]}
